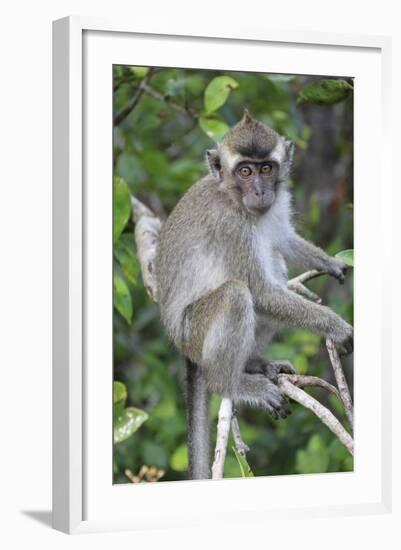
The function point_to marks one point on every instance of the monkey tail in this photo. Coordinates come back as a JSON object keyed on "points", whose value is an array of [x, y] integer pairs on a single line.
{"points": [[198, 422]]}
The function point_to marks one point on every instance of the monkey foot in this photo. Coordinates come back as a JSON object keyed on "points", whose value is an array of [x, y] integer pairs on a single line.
{"points": [[272, 369]]}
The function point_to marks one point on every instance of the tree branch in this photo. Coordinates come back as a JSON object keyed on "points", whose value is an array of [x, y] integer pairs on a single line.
{"points": [[326, 416], [296, 285], [133, 102], [223, 431], [165, 99], [302, 381], [239, 443], [341, 381]]}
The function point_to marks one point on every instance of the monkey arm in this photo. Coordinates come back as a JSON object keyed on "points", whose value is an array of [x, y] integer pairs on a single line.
{"points": [[304, 254], [291, 310]]}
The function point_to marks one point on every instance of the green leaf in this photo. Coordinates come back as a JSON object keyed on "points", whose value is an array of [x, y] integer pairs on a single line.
{"points": [[121, 206], [314, 459], [213, 128], [325, 92], [128, 422], [124, 251], [119, 397], [217, 92], [122, 298], [119, 392], [243, 464], [140, 72], [179, 459], [346, 256]]}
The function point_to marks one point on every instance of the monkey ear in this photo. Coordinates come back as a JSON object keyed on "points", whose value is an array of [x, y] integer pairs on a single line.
{"points": [[289, 152], [286, 164], [213, 162], [247, 118]]}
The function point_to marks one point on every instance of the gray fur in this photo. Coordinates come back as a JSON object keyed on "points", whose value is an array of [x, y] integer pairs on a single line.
{"points": [[222, 274]]}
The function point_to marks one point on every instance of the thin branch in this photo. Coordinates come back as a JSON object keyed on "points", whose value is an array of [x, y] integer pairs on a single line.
{"points": [[326, 416], [133, 102], [307, 276], [341, 381], [166, 99], [296, 285], [147, 232], [239, 443], [223, 430], [302, 381]]}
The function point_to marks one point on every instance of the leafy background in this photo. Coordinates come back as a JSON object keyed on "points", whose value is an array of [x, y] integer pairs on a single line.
{"points": [[164, 119]]}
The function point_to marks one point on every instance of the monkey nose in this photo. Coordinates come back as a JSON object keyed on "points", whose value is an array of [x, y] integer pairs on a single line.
{"points": [[259, 193]]}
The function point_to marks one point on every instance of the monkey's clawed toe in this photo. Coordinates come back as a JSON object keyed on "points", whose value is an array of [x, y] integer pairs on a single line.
{"points": [[272, 369]]}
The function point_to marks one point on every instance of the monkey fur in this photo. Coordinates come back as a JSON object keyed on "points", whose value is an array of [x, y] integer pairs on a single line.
{"points": [[222, 278]]}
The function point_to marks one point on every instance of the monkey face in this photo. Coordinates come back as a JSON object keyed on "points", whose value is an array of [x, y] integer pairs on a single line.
{"points": [[257, 182]]}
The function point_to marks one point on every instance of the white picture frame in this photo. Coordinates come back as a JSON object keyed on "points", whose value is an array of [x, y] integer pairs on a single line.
{"points": [[84, 498]]}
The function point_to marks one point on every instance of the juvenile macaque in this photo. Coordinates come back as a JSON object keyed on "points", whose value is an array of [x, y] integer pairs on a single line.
{"points": [[222, 275]]}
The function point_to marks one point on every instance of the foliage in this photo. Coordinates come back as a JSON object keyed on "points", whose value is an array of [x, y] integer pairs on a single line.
{"points": [[347, 256], [245, 469], [126, 420], [325, 92], [158, 153]]}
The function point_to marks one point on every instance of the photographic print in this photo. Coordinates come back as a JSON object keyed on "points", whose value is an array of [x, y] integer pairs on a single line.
{"points": [[232, 274]]}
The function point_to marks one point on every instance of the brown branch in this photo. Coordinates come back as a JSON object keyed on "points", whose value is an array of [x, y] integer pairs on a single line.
{"points": [[341, 381], [302, 381], [166, 99], [133, 102], [239, 443], [326, 416], [296, 285]]}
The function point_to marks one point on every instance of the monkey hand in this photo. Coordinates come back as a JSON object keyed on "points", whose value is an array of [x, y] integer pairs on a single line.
{"points": [[338, 269], [342, 335]]}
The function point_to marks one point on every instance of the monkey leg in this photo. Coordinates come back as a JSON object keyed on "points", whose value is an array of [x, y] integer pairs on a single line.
{"points": [[220, 337]]}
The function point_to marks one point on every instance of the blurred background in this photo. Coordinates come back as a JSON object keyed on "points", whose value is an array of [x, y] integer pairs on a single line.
{"points": [[164, 119]]}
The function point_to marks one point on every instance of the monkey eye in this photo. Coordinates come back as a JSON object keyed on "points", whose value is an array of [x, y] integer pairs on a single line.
{"points": [[266, 168], [245, 171]]}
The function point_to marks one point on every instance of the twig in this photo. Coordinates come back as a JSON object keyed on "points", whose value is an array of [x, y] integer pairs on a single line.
{"points": [[326, 416], [165, 99], [223, 430], [301, 381], [296, 285], [147, 231], [135, 98], [240, 445], [341, 381], [307, 276]]}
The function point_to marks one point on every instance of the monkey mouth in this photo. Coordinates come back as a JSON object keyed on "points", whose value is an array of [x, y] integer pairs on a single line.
{"points": [[259, 204]]}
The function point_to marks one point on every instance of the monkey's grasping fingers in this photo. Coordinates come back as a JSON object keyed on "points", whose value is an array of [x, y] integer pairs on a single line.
{"points": [[339, 271]]}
